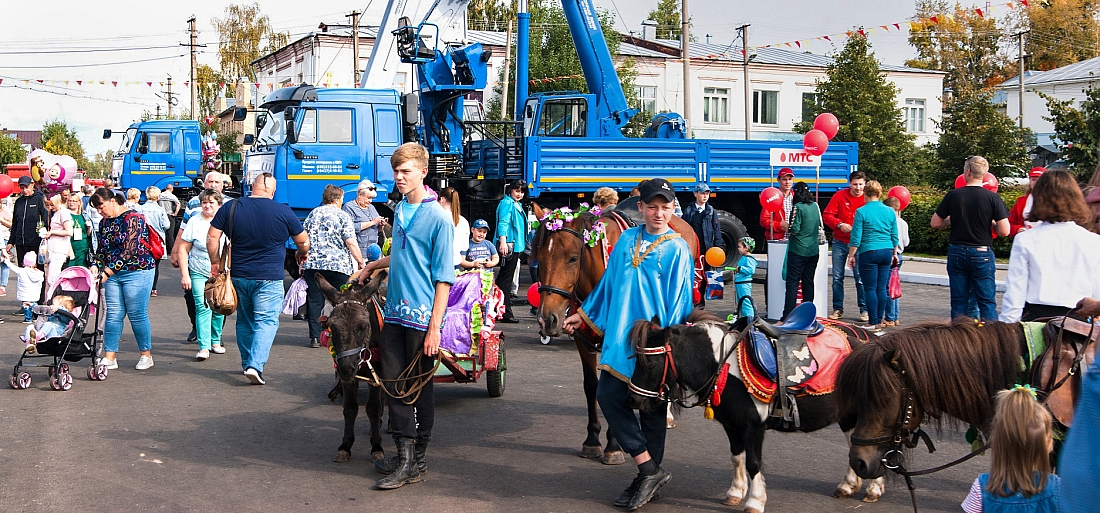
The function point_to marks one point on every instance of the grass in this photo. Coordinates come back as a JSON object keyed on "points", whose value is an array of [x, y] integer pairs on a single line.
{"points": [[944, 257]]}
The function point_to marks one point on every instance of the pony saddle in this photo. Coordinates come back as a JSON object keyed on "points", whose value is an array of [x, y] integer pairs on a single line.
{"points": [[1070, 347], [775, 344]]}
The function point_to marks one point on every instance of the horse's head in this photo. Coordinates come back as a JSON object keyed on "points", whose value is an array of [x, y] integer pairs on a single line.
{"points": [[570, 263], [350, 321], [674, 362], [877, 407]]}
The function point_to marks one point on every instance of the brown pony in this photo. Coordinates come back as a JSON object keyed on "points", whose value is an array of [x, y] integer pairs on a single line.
{"points": [[568, 271]]}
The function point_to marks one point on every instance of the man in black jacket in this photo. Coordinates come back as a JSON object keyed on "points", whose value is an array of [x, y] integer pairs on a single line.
{"points": [[704, 219], [28, 213]]}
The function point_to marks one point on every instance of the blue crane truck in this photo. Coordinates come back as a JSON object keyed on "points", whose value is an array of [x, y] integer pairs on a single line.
{"points": [[159, 152]]}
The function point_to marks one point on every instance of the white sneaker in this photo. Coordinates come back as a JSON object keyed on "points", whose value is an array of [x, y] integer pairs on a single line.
{"points": [[145, 362], [253, 375], [111, 364], [202, 355], [217, 349]]}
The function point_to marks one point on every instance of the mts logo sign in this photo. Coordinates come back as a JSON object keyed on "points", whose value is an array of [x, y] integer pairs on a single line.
{"points": [[787, 157]]}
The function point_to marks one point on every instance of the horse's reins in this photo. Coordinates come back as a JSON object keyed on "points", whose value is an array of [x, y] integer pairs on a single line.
{"points": [[661, 393], [574, 302]]}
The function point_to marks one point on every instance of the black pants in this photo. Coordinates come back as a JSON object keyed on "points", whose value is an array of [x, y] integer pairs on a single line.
{"points": [[636, 434], [189, 298], [315, 300], [156, 274], [399, 346], [504, 281], [800, 269]]}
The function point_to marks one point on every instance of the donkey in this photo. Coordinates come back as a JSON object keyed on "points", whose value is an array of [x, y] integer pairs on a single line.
{"points": [[355, 325]]}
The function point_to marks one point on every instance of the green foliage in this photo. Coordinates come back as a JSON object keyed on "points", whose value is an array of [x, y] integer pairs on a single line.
{"points": [[968, 47], [100, 165], [244, 35], [59, 139], [209, 84], [924, 239], [492, 15], [1061, 32], [973, 125], [669, 23], [1077, 130], [11, 150], [227, 142], [182, 114], [857, 93]]}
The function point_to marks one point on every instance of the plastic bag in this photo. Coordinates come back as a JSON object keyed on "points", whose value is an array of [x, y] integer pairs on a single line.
{"points": [[894, 287]]}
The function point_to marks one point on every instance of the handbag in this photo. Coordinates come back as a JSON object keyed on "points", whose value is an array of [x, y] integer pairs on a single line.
{"points": [[219, 294], [893, 289], [821, 240]]}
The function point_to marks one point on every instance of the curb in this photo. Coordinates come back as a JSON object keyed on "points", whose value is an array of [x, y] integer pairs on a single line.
{"points": [[1000, 267], [939, 280]]}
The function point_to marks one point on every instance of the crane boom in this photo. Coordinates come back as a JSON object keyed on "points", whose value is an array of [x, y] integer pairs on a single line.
{"points": [[384, 64]]}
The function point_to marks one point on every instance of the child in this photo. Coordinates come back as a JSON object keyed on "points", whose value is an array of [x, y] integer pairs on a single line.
{"points": [[30, 281], [1019, 477], [742, 275], [481, 253], [891, 318], [52, 326]]}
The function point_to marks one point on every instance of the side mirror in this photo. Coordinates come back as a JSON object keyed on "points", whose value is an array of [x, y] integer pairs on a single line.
{"points": [[106, 133], [291, 132], [143, 143], [240, 113], [261, 120], [249, 139], [529, 111]]}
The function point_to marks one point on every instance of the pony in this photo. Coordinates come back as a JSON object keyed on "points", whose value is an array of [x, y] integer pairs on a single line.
{"points": [[569, 269], [683, 363], [355, 325]]}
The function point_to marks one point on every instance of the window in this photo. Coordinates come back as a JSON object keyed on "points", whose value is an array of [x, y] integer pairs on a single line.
{"points": [[564, 118], [914, 114], [765, 107], [159, 142], [647, 99], [326, 126], [809, 104], [716, 104]]}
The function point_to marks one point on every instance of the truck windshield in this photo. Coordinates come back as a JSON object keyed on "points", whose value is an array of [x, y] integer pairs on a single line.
{"points": [[274, 129], [127, 140]]}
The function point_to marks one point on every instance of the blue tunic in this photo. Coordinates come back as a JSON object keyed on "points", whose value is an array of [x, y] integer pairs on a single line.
{"points": [[659, 286], [420, 257], [742, 280]]}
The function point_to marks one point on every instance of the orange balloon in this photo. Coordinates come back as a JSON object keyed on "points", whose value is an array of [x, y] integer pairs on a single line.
{"points": [[716, 257]]}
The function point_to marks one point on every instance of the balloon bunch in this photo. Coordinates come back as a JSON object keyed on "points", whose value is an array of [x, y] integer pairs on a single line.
{"points": [[211, 152], [989, 182], [816, 141], [55, 172]]}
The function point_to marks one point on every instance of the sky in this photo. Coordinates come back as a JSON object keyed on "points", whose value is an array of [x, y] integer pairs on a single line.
{"points": [[68, 43]]}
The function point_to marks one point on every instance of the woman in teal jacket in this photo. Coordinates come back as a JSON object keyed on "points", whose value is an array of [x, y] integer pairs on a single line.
{"points": [[511, 240]]}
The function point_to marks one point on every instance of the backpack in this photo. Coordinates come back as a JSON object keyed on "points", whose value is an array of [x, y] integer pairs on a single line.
{"points": [[152, 241]]}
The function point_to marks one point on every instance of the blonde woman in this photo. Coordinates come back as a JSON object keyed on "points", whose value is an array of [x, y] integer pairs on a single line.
{"points": [[448, 199]]}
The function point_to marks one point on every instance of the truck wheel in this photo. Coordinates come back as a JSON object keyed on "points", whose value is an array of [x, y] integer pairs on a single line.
{"points": [[732, 231]]}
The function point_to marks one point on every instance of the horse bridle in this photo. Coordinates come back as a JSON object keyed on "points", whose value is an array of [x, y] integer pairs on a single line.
{"points": [[359, 350], [902, 435], [661, 394], [567, 294]]}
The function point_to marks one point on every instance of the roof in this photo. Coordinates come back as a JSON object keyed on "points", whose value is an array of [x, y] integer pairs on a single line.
{"points": [[1084, 71], [31, 137]]}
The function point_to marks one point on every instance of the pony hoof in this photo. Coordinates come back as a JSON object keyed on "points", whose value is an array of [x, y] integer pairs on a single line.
{"points": [[377, 455], [591, 452], [342, 456], [870, 497], [753, 510], [732, 501], [842, 493], [670, 423], [613, 458]]}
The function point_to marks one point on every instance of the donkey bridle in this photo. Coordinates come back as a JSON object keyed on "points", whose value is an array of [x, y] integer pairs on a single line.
{"points": [[359, 350]]}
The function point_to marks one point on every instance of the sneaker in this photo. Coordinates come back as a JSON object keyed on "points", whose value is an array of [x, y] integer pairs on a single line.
{"points": [[110, 364], [217, 349], [144, 363], [153, 294], [623, 500], [3, 291], [863, 317], [254, 376], [27, 321], [836, 314], [31, 348], [314, 342], [871, 327], [192, 338], [202, 354], [647, 488]]}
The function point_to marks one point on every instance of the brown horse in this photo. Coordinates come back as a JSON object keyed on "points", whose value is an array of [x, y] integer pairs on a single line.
{"points": [[355, 325], [569, 270]]}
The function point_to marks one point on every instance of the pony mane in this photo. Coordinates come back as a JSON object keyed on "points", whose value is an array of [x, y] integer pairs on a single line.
{"points": [[582, 221], [954, 369]]}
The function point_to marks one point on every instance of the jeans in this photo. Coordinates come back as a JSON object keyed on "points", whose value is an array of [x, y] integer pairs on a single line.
{"points": [[874, 267], [840, 262], [126, 294], [399, 346], [800, 270], [208, 323], [892, 304], [315, 300], [971, 272], [636, 434], [258, 306], [4, 271], [28, 310]]}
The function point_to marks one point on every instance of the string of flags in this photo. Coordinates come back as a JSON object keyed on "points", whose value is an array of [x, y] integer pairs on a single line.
{"points": [[985, 11], [147, 83]]}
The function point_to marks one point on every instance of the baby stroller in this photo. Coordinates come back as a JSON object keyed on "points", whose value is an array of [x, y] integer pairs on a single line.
{"points": [[74, 344]]}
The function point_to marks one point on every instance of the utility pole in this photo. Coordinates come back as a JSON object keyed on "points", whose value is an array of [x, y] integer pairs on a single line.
{"points": [[169, 97], [355, 44], [685, 26], [507, 66], [1020, 89], [748, 88], [194, 66]]}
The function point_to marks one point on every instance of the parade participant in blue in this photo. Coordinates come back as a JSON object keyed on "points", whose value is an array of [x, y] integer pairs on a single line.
{"points": [[651, 272], [742, 275], [421, 264]]}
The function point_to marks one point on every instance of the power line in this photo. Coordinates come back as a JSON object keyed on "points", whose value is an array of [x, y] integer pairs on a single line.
{"points": [[87, 50], [62, 93], [93, 65]]}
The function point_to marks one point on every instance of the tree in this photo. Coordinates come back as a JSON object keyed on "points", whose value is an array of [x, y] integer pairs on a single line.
{"points": [[59, 139], [1077, 130], [857, 93], [244, 35], [11, 150], [973, 125], [1062, 32], [491, 15], [100, 165], [209, 83], [966, 46], [669, 24]]}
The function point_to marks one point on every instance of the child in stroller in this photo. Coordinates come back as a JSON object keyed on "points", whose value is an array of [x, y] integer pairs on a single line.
{"points": [[48, 322]]}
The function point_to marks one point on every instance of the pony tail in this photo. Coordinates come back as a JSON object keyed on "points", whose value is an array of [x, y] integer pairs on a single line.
{"points": [[1021, 438]]}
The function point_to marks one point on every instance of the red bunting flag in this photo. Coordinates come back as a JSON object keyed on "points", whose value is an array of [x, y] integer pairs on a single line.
{"points": [[979, 12], [862, 33], [79, 82], [798, 43], [935, 20], [114, 83], [39, 81], [257, 84], [1024, 2], [150, 84], [897, 26], [827, 38]]}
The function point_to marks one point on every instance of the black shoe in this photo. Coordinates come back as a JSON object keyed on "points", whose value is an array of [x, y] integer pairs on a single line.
{"points": [[314, 342], [405, 471], [386, 466], [647, 489], [623, 500], [509, 320], [299, 316], [192, 338]]}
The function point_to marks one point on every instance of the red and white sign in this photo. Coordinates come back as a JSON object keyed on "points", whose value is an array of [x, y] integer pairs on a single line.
{"points": [[209, 120], [791, 157]]}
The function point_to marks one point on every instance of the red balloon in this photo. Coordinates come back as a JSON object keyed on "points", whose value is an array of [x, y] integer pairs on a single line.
{"points": [[6, 186], [771, 199], [902, 194], [989, 181], [533, 297], [815, 142], [826, 122], [960, 182]]}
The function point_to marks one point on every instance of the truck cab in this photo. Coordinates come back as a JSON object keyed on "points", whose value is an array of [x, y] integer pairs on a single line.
{"points": [[157, 152]]}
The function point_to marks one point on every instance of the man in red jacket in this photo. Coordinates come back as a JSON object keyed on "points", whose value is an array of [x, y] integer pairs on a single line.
{"points": [[839, 216], [1017, 217], [776, 224]]}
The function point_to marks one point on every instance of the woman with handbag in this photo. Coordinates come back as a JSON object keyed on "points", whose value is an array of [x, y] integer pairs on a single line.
{"points": [[82, 233], [195, 271], [802, 247], [126, 265], [334, 254], [874, 239]]}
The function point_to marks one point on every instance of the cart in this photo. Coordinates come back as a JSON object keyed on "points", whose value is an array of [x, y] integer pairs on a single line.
{"points": [[470, 348]]}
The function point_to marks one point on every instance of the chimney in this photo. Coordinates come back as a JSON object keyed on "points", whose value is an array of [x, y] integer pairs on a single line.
{"points": [[645, 31]]}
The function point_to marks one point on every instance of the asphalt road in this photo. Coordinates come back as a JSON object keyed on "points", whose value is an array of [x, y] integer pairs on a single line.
{"points": [[194, 436]]}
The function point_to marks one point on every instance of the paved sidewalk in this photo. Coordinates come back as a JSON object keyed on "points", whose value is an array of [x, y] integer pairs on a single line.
{"points": [[925, 271]]}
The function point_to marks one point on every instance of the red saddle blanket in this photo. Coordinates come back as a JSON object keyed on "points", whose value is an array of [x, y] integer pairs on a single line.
{"points": [[827, 351]]}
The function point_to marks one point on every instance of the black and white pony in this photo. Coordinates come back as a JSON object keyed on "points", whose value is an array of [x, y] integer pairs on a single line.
{"points": [[682, 363]]}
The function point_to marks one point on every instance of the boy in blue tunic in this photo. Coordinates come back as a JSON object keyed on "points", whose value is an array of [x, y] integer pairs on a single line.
{"points": [[651, 272], [420, 277]]}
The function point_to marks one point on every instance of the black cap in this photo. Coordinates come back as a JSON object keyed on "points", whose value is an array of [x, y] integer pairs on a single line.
{"points": [[25, 180], [656, 187]]}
